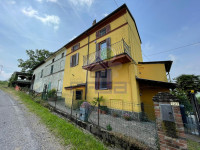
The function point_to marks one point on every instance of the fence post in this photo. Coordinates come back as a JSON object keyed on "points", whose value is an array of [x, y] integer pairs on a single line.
{"points": [[98, 108], [72, 103]]}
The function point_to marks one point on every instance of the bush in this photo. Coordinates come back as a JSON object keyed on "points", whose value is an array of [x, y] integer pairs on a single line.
{"points": [[108, 127], [52, 93], [127, 117], [114, 114]]}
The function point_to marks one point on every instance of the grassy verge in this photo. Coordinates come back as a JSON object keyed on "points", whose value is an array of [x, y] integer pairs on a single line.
{"points": [[68, 133], [192, 145]]}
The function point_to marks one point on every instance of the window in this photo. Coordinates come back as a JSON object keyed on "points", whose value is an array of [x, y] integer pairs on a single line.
{"points": [[103, 79], [79, 94], [74, 60], [75, 47], [103, 50], [41, 74], [103, 31], [51, 69], [62, 55], [53, 60]]}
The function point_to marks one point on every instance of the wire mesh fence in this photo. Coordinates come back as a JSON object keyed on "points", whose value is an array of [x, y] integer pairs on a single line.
{"points": [[121, 118]]}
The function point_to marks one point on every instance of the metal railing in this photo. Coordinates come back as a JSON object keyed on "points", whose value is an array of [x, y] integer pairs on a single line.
{"points": [[113, 50]]}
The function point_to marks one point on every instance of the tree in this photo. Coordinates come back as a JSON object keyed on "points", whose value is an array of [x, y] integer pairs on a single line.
{"points": [[188, 83], [12, 79], [34, 58]]}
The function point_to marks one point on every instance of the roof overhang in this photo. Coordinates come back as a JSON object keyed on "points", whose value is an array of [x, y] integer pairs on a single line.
{"points": [[156, 83], [167, 64], [75, 86]]}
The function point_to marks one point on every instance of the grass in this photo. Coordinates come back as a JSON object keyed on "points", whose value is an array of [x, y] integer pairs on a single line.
{"points": [[192, 145], [65, 131]]}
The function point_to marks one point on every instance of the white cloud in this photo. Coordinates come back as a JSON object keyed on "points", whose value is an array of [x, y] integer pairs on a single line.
{"points": [[172, 57], [72, 38], [82, 2], [54, 1], [105, 14], [4, 75], [46, 19], [12, 2], [147, 46]]}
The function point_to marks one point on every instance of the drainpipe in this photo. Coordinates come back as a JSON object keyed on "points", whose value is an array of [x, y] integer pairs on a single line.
{"points": [[86, 86]]}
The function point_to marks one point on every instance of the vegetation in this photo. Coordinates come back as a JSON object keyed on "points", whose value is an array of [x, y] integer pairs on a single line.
{"points": [[192, 145], [68, 133], [108, 127], [97, 100], [52, 93], [34, 59], [127, 117], [11, 80], [186, 83]]}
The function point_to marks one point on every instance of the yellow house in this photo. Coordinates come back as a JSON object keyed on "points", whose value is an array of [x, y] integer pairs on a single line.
{"points": [[107, 60]]}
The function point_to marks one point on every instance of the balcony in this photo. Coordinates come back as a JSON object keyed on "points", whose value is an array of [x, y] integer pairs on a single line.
{"points": [[115, 54]]}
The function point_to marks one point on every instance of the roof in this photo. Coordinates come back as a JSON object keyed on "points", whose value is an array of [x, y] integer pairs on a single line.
{"points": [[102, 21], [75, 86], [23, 73], [156, 83], [168, 64]]}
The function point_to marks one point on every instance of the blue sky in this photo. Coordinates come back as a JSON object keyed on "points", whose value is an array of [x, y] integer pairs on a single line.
{"points": [[50, 24]]}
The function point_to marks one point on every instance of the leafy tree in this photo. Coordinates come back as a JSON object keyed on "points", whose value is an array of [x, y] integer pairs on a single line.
{"points": [[34, 58], [182, 96], [12, 79], [198, 99], [188, 83]]}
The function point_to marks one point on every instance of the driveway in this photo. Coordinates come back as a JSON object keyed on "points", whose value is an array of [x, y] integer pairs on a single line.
{"points": [[21, 129]]}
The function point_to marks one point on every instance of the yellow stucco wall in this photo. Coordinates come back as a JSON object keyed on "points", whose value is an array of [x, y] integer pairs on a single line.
{"points": [[125, 94], [147, 93], [152, 72]]}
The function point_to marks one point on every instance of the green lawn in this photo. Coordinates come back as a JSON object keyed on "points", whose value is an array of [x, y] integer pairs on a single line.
{"points": [[65, 131], [192, 145]]}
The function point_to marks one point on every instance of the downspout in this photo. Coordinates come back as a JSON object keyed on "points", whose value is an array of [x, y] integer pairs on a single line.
{"points": [[86, 84]]}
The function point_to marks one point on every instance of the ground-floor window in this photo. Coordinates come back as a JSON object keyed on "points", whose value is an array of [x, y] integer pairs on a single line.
{"points": [[79, 94]]}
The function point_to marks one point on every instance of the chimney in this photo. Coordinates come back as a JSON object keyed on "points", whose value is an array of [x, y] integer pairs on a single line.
{"points": [[94, 22]]}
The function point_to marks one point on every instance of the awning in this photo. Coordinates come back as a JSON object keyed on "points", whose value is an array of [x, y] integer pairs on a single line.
{"points": [[75, 86], [156, 83]]}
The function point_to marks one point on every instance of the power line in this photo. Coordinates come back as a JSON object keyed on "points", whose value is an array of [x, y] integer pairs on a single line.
{"points": [[175, 49]]}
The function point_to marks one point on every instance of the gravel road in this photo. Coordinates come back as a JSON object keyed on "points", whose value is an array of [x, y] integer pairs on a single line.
{"points": [[21, 129]]}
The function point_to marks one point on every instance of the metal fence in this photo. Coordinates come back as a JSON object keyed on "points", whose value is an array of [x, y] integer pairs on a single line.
{"points": [[117, 117]]}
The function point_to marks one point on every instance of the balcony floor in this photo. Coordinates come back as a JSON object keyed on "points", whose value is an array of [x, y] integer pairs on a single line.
{"points": [[104, 64]]}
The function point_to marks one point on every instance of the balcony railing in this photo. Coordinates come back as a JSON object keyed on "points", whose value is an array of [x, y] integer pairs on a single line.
{"points": [[107, 53]]}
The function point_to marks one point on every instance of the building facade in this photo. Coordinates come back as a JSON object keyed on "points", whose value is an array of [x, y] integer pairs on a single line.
{"points": [[49, 74]]}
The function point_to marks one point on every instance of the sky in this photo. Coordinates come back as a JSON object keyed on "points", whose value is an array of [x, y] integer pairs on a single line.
{"points": [[50, 24]]}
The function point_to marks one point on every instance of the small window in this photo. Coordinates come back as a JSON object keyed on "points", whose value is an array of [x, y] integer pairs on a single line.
{"points": [[79, 94], [51, 69], [102, 32], [75, 47], [53, 60], [41, 74], [103, 79], [74, 60], [62, 55]]}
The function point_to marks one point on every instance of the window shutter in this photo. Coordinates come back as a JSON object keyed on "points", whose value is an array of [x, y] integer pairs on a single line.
{"points": [[97, 34], [108, 42], [97, 52], [97, 74], [72, 48], [109, 79], [71, 61], [107, 28], [78, 45], [77, 58]]}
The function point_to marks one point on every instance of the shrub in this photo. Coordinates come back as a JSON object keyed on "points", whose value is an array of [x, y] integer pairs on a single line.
{"points": [[52, 93], [127, 117], [114, 114], [108, 127]]}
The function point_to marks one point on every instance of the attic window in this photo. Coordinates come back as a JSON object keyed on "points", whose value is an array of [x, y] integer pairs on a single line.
{"points": [[62, 55], [75, 47], [53, 60], [103, 31]]}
